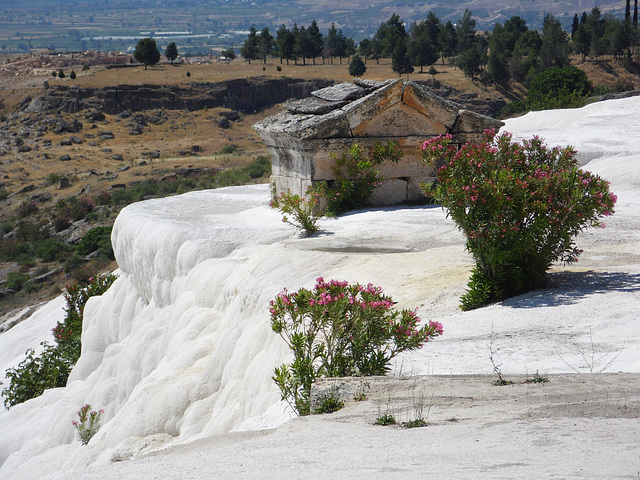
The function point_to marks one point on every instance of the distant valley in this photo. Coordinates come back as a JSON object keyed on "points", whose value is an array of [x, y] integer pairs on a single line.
{"points": [[205, 26]]}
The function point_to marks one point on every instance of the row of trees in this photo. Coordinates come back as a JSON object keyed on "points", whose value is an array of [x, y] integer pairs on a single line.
{"points": [[510, 51], [297, 43]]}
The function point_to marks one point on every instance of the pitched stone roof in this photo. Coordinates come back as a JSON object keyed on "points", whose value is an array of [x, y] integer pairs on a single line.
{"points": [[367, 108]]}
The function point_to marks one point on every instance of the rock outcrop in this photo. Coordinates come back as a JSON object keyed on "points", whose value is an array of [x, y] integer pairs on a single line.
{"points": [[247, 95]]}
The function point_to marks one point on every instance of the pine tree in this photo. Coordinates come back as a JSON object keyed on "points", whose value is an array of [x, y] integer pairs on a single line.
{"points": [[147, 52], [171, 52], [357, 67], [400, 62], [251, 48], [285, 42], [265, 44]]}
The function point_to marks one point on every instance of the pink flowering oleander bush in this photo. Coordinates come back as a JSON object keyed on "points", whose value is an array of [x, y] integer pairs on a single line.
{"points": [[520, 206], [338, 329], [88, 423]]}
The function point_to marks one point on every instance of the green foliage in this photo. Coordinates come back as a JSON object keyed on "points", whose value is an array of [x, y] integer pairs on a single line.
{"points": [[26, 209], [54, 178], [97, 239], [147, 52], [51, 249], [3, 194], [51, 368], [171, 52], [229, 54], [329, 404], [251, 47], [537, 378], [558, 87], [624, 85], [357, 67], [297, 211], [88, 423], [385, 419], [15, 280], [338, 330], [86, 68], [356, 176], [74, 208], [228, 149], [400, 61], [35, 374], [520, 207], [72, 263]]}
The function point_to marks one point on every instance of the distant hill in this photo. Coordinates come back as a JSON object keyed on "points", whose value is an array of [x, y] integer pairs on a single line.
{"points": [[112, 24]]}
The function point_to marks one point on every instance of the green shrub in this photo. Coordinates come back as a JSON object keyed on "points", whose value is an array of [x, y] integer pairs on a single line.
{"points": [[15, 280], [338, 330], [228, 149], [520, 207], [26, 209], [54, 178], [297, 211], [35, 374], [355, 176], [13, 249], [50, 369], [3, 194], [50, 249], [558, 87], [30, 231], [329, 404], [73, 262], [98, 238]]}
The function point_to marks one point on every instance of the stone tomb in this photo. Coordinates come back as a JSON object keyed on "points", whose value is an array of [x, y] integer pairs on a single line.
{"points": [[365, 112]]}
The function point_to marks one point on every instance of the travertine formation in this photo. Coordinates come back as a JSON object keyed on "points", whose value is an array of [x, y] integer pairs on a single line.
{"points": [[301, 137]]}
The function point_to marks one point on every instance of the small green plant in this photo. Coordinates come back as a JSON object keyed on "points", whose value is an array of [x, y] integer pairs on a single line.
{"points": [[385, 419], [418, 405], [329, 404], [85, 68], [54, 178], [3, 194], [537, 378], [520, 206], [88, 423], [500, 382], [338, 330], [228, 149], [361, 394], [297, 211]]}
